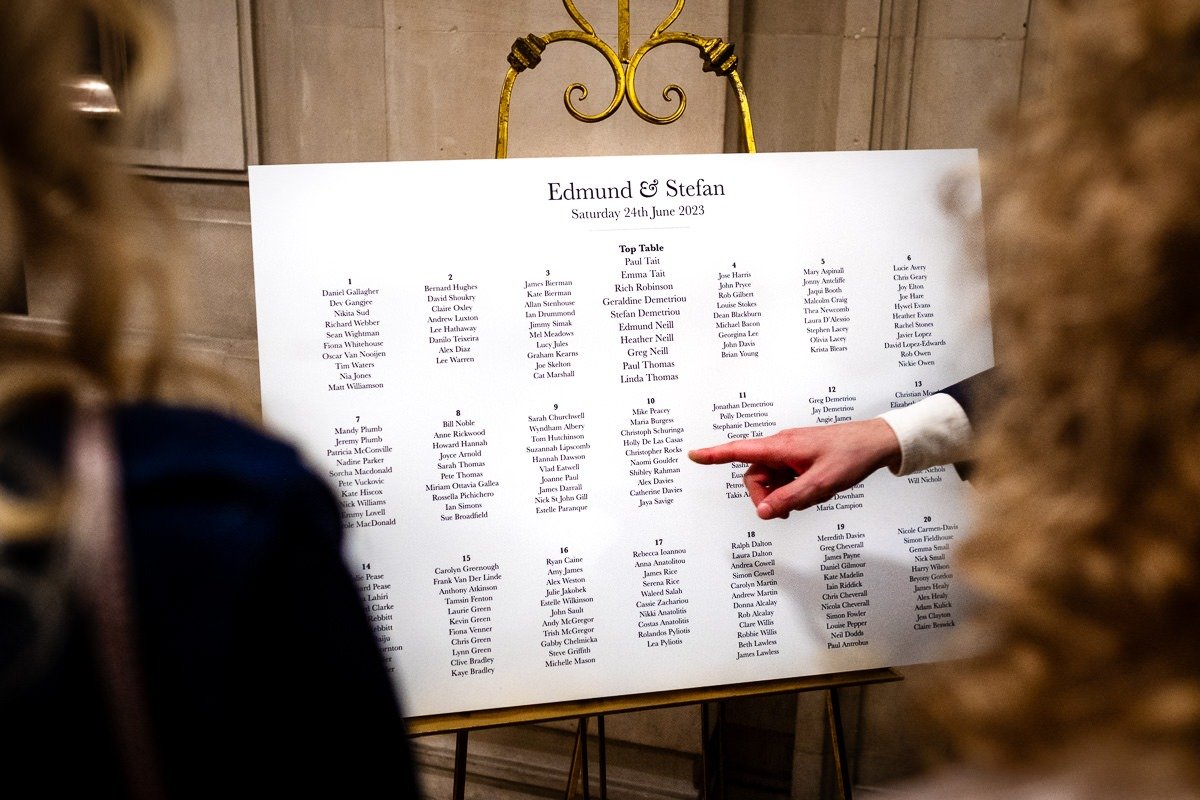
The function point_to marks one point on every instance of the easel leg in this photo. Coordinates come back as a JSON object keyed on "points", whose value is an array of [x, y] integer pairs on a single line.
{"points": [[837, 741], [579, 763], [583, 757], [712, 756], [603, 761], [460, 766]]}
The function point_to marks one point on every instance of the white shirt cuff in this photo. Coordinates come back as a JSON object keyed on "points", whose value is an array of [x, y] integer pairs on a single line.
{"points": [[933, 431]]}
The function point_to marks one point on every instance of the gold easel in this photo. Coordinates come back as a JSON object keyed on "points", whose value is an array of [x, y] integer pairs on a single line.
{"points": [[717, 54], [582, 710], [719, 58]]}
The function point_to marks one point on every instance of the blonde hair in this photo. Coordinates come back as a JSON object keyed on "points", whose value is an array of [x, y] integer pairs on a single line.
{"points": [[1087, 551], [69, 210]]}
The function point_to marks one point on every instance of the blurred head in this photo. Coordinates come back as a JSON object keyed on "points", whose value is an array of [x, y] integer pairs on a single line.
{"points": [[1087, 551], [72, 215], [67, 208]]}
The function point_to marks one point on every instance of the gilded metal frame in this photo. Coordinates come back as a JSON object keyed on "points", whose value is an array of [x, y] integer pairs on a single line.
{"points": [[717, 54]]}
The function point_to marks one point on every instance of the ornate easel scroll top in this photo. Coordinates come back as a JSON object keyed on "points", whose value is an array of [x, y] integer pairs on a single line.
{"points": [[717, 54]]}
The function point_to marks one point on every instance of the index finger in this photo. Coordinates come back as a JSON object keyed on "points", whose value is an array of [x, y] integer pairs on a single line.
{"points": [[749, 450]]}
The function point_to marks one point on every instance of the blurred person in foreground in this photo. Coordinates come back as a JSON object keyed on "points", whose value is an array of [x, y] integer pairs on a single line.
{"points": [[1085, 559], [175, 617], [1086, 553]]}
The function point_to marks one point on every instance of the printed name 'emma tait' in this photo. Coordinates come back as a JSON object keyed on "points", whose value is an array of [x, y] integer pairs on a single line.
{"points": [[671, 188]]}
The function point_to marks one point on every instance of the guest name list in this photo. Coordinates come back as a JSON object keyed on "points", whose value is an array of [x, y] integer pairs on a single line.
{"points": [[500, 366]]}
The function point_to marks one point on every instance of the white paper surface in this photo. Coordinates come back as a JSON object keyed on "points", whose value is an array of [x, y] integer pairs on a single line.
{"points": [[501, 378]]}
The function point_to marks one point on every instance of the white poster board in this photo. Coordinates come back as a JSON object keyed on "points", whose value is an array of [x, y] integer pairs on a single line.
{"points": [[500, 366]]}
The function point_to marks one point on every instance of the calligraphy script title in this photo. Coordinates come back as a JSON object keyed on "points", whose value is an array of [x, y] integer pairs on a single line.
{"points": [[670, 188]]}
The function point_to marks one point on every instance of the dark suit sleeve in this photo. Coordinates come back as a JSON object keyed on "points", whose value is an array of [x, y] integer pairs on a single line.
{"points": [[262, 670], [314, 674], [978, 396]]}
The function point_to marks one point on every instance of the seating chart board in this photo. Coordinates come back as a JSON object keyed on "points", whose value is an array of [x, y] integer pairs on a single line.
{"points": [[499, 366]]}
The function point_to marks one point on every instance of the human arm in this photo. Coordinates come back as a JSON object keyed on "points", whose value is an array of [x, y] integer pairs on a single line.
{"points": [[940, 428], [930, 432], [800, 467]]}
